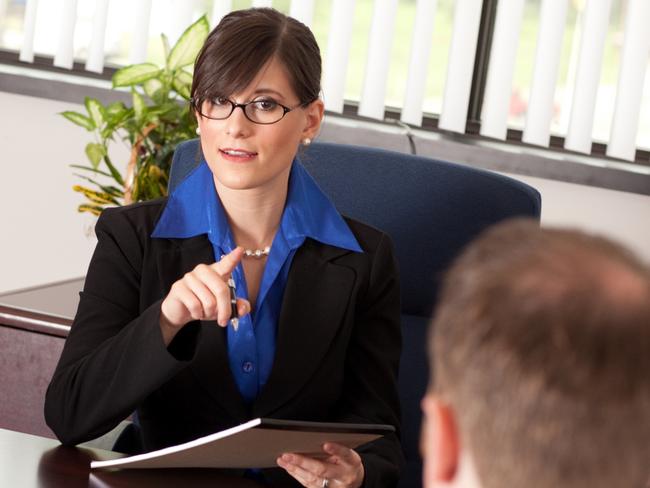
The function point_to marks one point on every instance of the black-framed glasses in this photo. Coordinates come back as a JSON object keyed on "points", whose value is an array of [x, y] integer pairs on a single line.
{"points": [[259, 111]]}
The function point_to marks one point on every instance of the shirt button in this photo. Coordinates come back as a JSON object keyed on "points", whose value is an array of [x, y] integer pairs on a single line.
{"points": [[247, 367]]}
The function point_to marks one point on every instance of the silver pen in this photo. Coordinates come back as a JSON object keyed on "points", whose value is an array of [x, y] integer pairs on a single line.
{"points": [[234, 316]]}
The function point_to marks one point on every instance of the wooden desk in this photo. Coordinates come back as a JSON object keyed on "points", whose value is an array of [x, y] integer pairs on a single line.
{"points": [[33, 326], [28, 461]]}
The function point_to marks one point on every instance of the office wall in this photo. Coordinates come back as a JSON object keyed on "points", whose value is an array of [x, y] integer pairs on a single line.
{"points": [[44, 238]]}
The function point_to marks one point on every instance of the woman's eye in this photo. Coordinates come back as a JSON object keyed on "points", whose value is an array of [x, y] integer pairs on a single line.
{"points": [[220, 101], [265, 105]]}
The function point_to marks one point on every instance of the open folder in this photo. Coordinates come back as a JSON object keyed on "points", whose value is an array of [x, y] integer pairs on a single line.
{"points": [[255, 444]]}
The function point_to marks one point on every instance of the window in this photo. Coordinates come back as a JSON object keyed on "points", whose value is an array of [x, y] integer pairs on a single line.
{"points": [[426, 70]]}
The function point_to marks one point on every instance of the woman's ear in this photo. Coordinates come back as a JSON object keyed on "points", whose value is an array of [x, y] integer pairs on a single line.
{"points": [[439, 442], [314, 117], [199, 121]]}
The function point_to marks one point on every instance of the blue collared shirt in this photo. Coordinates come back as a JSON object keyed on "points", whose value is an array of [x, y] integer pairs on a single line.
{"points": [[194, 208]]}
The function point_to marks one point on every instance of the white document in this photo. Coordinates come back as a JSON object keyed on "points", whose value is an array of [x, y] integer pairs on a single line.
{"points": [[255, 444]]}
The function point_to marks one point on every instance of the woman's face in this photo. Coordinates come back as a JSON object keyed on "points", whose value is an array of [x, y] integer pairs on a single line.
{"points": [[244, 155]]}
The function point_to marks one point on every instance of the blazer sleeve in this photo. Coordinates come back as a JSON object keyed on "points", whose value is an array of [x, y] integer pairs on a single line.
{"points": [[114, 355], [372, 366]]}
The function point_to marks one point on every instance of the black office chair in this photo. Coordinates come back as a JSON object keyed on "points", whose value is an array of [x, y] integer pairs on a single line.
{"points": [[431, 209]]}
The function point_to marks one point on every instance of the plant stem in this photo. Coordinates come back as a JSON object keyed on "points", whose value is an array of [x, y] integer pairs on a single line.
{"points": [[130, 168]]}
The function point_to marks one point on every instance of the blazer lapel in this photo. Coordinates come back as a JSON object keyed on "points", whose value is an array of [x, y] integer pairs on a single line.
{"points": [[210, 365], [315, 301]]}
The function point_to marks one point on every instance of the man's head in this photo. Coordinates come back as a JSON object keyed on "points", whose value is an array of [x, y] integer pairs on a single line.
{"points": [[540, 353]]}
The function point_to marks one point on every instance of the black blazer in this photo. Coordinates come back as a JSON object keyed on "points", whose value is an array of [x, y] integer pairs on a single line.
{"points": [[337, 350]]}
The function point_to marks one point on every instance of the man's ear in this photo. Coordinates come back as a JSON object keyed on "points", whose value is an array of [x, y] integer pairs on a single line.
{"points": [[314, 112], [440, 442]]}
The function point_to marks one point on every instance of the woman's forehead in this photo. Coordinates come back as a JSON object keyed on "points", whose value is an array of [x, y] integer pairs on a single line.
{"points": [[272, 79]]}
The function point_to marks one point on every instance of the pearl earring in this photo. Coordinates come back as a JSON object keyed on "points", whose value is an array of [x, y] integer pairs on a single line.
{"points": [[198, 131], [306, 141]]}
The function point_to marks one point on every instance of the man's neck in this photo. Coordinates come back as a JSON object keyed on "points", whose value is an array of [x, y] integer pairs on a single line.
{"points": [[465, 476]]}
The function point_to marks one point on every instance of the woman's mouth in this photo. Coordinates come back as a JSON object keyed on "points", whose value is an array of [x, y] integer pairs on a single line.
{"points": [[237, 155]]}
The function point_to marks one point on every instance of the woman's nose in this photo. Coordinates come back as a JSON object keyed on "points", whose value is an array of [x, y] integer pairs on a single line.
{"points": [[237, 125]]}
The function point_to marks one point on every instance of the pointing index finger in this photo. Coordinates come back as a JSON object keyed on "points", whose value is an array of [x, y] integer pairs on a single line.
{"points": [[228, 262]]}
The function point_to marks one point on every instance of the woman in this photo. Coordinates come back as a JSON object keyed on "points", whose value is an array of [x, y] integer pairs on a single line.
{"points": [[318, 336]]}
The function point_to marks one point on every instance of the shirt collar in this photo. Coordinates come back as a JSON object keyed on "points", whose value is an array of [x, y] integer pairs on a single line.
{"points": [[194, 209]]}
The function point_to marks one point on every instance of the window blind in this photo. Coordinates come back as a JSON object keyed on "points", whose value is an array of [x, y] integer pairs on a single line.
{"points": [[63, 57], [373, 94], [95, 60], [581, 119], [338, 51], [585, 64], [425, 15], [494, 116], [552, 21], [462, 52], [634, 62]]}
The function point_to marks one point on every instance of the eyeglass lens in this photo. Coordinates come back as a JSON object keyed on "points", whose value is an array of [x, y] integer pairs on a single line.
{"points": [[264, 111]]}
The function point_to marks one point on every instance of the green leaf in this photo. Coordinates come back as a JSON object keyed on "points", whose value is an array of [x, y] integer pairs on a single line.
{"points": [[134, 74], [79, 119], [93, 209], [88, 168], [95, 153], [114, 172], [151, 87], [107, 132], [182, 83], [165, 43], [139, 106], [116, 108], [111, 190], [96, 111], [189, 44]]}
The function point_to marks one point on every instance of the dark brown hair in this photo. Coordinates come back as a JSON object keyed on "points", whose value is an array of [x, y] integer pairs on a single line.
{"points": [[541, 345], [243, 42]]}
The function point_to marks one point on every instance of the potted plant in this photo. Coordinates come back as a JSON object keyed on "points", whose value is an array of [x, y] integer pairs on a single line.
{"points": [[157, 121]]}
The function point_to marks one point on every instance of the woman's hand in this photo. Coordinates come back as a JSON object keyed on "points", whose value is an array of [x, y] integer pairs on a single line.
{"points": [[201, 294], [341, 469]]}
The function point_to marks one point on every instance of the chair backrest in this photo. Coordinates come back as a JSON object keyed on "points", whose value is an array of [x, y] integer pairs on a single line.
{"points": [[431, 209]]}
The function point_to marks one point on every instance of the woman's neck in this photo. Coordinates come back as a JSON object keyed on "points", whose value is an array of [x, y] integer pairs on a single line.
{"points": [[254, 214]]}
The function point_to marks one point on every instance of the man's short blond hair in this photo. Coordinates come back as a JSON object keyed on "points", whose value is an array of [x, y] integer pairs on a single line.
{"points": [[541, 345]]}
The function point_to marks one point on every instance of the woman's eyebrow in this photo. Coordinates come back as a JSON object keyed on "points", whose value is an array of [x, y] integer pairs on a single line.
{"points": [[267, 91]]}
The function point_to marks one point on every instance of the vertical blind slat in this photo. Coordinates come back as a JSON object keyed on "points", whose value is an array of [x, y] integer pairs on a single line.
{"points": [[63, 58], [498, 88], [141, 18], [581, 121], [547, 61], [425, 15], [338, 50], [302, 10], [462, 52], [262, 3], [27, 48], [179, 17], [634, 62], [373, 94], [95, 60], [219, 9]]}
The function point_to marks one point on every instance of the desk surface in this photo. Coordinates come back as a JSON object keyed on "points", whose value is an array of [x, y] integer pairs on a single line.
{"points": [[59, 299], [47, 309], [28, 461]]}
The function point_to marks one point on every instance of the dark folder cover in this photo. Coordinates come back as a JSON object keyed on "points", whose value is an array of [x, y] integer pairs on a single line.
{"points": [[254, 444]]}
